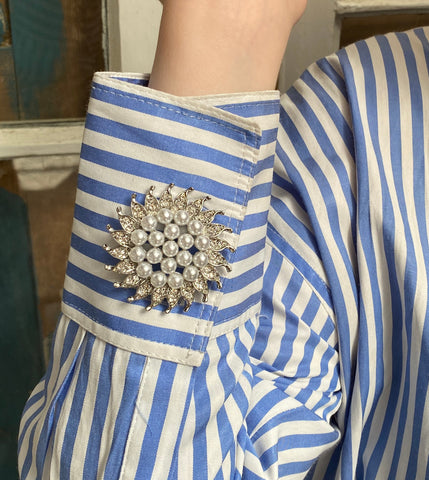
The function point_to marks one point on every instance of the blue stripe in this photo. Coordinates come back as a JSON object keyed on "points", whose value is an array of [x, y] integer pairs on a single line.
{"points": [[229, 313], [202, 403], [175, 113], [156, 420], [164, 143], [93, 452], [157, 173], [301, 265], [252, 109], [333, 75], [135, 329], [267, 309], [126, 411], [74, 416], [243, 280], [420, 195]]}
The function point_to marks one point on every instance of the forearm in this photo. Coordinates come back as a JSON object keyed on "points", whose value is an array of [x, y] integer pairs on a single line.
{"points": [[222, 46]]}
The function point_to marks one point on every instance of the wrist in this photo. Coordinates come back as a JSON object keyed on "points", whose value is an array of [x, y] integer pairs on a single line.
{"points": [[222, 46]]}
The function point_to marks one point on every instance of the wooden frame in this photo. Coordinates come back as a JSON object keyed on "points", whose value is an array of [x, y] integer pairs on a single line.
{"points": [[366, 6], [30, 140]]}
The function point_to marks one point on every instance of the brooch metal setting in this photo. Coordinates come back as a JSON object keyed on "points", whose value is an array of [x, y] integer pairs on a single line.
{"points": [[169, 249]]}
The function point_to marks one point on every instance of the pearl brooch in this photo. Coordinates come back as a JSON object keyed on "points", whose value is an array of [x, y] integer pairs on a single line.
{"points": [[169, 249]]}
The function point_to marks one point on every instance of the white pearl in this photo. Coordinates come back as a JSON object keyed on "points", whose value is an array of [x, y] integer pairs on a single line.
{"points": [[181, 217], [190, 274], [165, 216], [184, 258], [139, 237], [158, 279], [200, 259], [149, 223], [185, 241], [144, 269], [175, 280], [137, 254], [172, 231], [156, 238], [195, 227], [154, 255], [170, 248], [168, 265], [202, 242]]}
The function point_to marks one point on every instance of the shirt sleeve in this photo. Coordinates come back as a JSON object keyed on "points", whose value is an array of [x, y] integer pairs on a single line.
{"points": [[136, 138], [131, 393]]}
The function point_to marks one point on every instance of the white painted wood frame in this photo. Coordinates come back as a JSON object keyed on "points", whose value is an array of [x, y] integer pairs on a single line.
{"points": [[362, 6]]}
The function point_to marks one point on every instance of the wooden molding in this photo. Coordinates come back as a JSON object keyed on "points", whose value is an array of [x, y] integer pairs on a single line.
{"points": [[362, 6], [33, 140]]}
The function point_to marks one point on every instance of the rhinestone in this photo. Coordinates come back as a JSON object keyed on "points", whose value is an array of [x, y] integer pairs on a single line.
{"points": [[154, 255], [149, 223], [144, 269], [172, 231], [190, 273], [138, 237], [185, 241], [158, 279], [195, 227], [200, 259], [175, 280], [137, 254], [202, 242], [165, 216], [156, 238], [181, 217], [184, 258], [168, 265], [170, 248]]}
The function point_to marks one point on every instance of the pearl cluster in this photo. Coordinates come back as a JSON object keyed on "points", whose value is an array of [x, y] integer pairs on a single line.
{"points": [[169, 249], [164, 241]]}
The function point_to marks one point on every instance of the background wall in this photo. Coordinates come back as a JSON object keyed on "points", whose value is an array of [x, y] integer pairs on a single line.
{"points": [[316, 35], [136, 24], [304, 48]]}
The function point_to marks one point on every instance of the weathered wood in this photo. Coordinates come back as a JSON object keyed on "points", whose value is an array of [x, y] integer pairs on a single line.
{"points": [[355, 28], [40, 140], [359, 6], [57, 47], [5, 36], [8, 96]]}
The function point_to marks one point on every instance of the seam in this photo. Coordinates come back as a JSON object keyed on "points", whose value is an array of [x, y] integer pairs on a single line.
{"points": [[229, 328], [247, 104], [329, 310], [177, 111], [134, 336], [134, 420], [142, 351]]}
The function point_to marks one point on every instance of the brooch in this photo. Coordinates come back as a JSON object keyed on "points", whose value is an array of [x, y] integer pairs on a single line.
{"points": [[169, 248]]}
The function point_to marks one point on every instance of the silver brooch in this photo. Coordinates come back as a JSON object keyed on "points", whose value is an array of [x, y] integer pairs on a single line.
{"points": [[168, 249]]}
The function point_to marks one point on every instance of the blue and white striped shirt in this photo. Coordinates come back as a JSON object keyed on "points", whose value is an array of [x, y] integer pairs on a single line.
{"points": [[312, 361]]}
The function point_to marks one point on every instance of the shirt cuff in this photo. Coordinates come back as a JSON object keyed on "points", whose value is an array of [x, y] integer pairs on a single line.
{"points": [[135, 138]]}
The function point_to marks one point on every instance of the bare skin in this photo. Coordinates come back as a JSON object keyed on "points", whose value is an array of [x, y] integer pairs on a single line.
{"points": [[222, 46]]}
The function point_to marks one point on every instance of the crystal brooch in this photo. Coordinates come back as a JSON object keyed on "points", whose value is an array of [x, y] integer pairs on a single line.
{"points": [[169, 249]]}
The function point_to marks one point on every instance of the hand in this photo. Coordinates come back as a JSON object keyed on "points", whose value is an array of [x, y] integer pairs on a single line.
{"points": [[222, 46]]}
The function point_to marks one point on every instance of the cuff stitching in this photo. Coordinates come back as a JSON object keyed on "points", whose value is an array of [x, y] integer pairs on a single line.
{"points": [[180, 112]]}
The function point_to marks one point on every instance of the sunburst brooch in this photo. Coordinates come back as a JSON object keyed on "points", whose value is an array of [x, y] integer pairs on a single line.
{"points": [[169, 248]]}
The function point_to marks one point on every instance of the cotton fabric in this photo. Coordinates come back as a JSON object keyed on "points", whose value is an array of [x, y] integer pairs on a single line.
{"points": [[312, 361]]}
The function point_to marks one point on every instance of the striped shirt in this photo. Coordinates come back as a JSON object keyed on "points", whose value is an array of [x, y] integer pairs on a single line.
{"points": [[312, 360]]}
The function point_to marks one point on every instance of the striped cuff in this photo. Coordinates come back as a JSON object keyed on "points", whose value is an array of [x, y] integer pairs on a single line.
{"points": [[222, 146]]}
